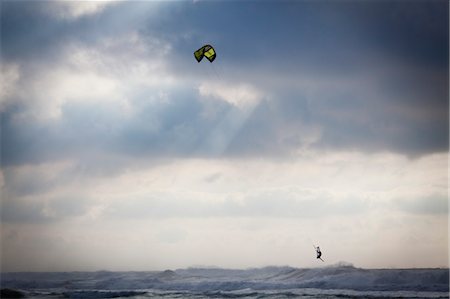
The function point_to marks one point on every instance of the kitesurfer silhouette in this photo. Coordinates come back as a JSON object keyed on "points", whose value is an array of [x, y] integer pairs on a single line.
{"points": [[318, 252]]}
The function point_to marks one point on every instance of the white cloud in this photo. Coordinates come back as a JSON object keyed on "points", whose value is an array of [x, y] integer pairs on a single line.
{"points": [[71, 10], [130, 57], [243, 96], [106, 73], [10, 75], [61, 86], [370, 181], [274, 208]]}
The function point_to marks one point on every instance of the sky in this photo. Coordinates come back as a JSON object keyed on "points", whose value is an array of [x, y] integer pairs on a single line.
{"points": [[319, 123]]}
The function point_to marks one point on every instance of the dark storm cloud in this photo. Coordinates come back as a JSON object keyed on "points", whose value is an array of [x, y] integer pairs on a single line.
{"points": [[399, 50], [412, 121], [322, 36]]}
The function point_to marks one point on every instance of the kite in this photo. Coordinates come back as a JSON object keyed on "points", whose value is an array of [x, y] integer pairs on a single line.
{"points": [[205, 51]]}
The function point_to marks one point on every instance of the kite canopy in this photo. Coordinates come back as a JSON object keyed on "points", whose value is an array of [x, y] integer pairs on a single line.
{"points": [[205, 51]]}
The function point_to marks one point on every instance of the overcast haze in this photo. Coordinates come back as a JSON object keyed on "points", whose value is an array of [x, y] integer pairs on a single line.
{"points": [[320, 122]]}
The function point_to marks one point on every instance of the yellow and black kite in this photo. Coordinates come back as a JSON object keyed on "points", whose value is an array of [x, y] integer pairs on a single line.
{"points": [[205, 51]]}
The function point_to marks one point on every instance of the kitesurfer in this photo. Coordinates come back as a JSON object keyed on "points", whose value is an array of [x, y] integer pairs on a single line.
{"points": [[319, 253]]}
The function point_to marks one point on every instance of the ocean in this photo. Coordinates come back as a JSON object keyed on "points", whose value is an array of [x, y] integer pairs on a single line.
{"points": [[340, 281]]}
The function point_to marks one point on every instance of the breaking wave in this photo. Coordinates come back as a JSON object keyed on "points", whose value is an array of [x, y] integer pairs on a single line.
{"points": [[342, 279]]}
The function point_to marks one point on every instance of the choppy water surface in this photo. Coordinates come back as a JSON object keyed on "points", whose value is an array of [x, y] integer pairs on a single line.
{"points": [[270, 282]]}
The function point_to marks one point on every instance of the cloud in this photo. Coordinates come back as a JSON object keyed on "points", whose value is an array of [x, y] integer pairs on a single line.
{"points": [[95, 73], [130, 88], [10, 76], [265, 203], [172, 235], [434, 205], [241, 96], [331, 118], [213, 177], [34, 179], [68, 10], [191, 205], [128, 93], [320, 186], [42, 209]]}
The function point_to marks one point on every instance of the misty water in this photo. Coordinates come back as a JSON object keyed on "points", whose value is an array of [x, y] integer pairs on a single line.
{"points": [[340, 281]]}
